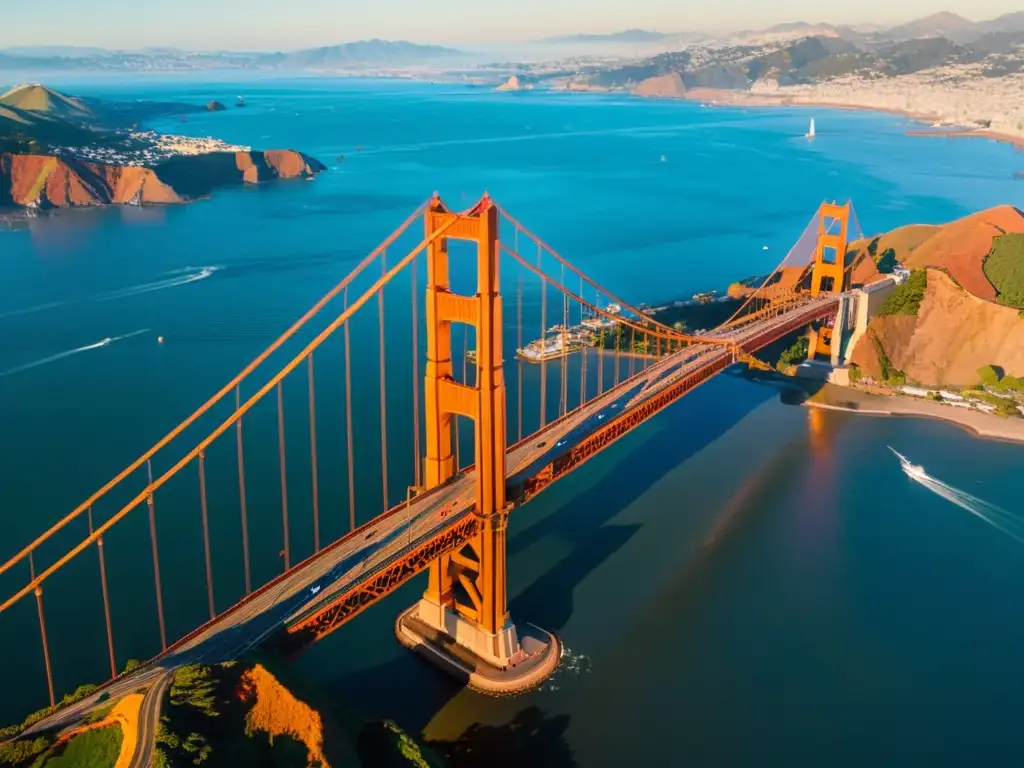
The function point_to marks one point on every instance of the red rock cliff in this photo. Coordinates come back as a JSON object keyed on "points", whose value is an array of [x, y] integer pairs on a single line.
{"points": [[54, 182], [39, 180]]}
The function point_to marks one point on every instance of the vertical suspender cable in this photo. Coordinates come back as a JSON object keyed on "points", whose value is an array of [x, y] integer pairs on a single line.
{"points": [[156, 560], [314, 467], [542, 342], [206, 533], [564, 395], [519, 343], [583, 357], [632, 351], [284, 475], [348, 424], [46, 645], [383, 398], [415, 382], [241, 494], [106, 598]]}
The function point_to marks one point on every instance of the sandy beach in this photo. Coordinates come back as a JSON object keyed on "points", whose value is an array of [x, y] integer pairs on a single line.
{"points": [[1017, 141], [996, 102], [986, 425]]}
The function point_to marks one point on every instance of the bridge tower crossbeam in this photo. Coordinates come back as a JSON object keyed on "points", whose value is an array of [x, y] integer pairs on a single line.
{"points": [[466, 596], [829, 273]]}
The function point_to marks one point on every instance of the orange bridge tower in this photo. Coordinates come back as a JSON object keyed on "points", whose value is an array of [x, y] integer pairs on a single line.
{"points": [[462, 621], [829, 270]]}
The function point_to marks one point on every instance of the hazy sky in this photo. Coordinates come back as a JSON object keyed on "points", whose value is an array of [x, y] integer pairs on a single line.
{"points": [[288, 24]]}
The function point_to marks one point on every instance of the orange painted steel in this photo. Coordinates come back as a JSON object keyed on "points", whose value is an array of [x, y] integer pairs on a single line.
{"points": [[282, 460], [156, 560], [350, 454], [417, 465], [141, 497], [470, 549], [241, 497], [205, 407], [383, 388], [314, 468], [46, 644], [479, 567], [106, 598], [564, 262], [381, 582], [829, 276], [441, 544], [631, 418], [543, 336], [519, 345], [206, 533], [660, 331]]}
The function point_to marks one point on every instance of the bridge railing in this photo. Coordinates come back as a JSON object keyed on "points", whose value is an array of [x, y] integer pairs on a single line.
{"points": [[167, 451], [176, 470]]}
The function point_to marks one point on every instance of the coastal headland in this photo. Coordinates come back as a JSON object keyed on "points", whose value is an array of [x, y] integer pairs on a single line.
{"points": [[58, 151]]}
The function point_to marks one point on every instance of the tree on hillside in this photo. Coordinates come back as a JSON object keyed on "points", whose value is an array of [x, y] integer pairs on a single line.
{"points": [[886, 263], [1004, 268]]}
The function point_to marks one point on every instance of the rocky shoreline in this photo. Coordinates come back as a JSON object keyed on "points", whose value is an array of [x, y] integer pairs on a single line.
{"points": [[47, 181]]}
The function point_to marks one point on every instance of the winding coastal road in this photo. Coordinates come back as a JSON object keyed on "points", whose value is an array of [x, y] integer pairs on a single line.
{"points": [[149, 722]]}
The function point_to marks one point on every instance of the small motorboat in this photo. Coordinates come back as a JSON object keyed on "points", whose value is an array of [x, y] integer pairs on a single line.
{"points": [[914, 470]]}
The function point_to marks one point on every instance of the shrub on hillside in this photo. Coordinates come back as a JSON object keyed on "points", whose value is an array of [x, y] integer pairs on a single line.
{"points": [[907, 298], [22, 751], [795, 355], [1004, 268], [886, 263], [989, 375]]}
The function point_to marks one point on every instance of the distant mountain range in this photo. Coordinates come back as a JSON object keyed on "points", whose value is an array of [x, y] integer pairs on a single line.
{"points": [[354, 55], [626, 36], [814, 58], [944, 24]]}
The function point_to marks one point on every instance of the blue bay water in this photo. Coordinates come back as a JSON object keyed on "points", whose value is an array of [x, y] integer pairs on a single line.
{"points": [[738, 578]]}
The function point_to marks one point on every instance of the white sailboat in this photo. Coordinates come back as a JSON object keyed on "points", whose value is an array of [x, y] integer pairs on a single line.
{"points": [[810, 131]]}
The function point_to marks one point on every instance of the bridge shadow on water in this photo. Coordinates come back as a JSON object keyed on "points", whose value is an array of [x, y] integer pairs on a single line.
{"points": [[687, 428], [528, 734]]}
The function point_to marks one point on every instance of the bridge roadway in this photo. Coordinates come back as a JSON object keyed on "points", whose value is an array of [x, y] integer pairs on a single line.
{"points": [[312, 585]]}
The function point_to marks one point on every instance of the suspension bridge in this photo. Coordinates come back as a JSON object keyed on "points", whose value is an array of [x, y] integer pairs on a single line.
{"points": [[451, 521]]}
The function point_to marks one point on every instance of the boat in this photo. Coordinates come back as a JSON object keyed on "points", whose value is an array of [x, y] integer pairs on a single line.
{"points": [[240, 102], [810, 130], [1018, 175], [913, 470]]}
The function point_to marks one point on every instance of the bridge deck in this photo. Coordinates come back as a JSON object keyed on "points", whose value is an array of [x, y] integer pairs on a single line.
{"points": [[323, 592]]}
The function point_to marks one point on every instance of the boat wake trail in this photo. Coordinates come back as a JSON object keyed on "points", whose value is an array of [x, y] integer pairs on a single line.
{"points": [[78, 350], [177, 277], [171, 279], [997, 517]]}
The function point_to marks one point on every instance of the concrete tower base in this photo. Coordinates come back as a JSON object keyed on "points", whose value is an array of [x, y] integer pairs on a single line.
{"points": [[508, 662]]}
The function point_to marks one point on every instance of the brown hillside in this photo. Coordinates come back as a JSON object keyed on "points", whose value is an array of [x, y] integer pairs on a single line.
{"points": [[54, 182], [664, 86], [275, 711], [39, 98], [960, 247], [953, 335], [903, 241]]}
